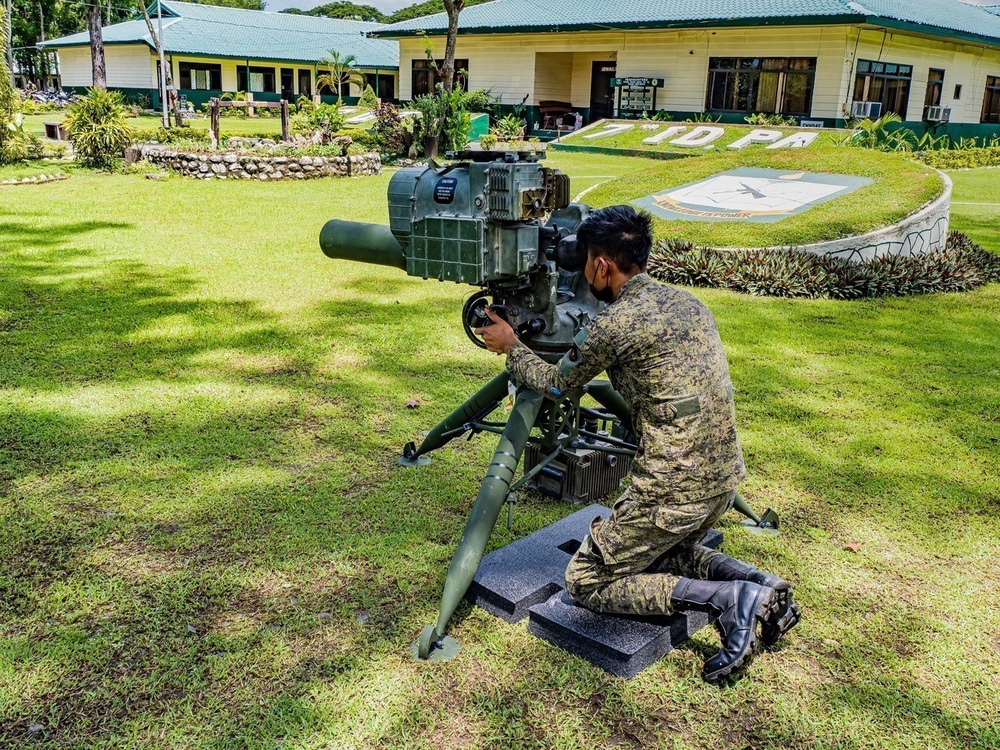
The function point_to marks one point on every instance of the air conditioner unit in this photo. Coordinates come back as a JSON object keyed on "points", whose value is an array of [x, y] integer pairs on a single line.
{"points": [[937, 114], [866, 110]]}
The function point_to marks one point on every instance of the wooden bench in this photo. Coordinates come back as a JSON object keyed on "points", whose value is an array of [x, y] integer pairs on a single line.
{"points": [[55, 130], [552, 113]]}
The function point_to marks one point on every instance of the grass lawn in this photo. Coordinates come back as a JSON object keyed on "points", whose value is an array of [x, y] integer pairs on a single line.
{"points": [[900, 187], [36, 168], [205, 541]]}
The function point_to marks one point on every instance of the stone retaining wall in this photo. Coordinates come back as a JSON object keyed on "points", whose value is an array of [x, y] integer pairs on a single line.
{"points": [[240, 166]]}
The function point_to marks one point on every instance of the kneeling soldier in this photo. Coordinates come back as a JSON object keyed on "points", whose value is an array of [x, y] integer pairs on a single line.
{"points": [[661, 348]]}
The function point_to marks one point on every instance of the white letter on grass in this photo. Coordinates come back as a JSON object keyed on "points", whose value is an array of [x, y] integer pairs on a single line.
{"points": [[668, 133], [756, 136], [797, 140], [699, 137], [613, 129]]}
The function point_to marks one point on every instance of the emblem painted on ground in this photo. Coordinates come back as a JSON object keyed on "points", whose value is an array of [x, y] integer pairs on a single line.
{"points": [[763, 196]]}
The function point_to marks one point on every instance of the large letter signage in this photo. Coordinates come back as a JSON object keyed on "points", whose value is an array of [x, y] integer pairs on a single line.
{"points": [[699, 137]]}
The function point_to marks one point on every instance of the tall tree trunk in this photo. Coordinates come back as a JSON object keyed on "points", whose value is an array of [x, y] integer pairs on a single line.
{"points": [[96, 44], [453, 8], [9, 45]]}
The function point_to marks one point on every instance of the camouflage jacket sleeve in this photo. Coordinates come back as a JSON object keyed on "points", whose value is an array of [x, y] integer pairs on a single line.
{"points": [[597, 354]]}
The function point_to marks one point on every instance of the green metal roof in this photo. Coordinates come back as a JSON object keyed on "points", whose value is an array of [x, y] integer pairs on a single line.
{"points": [[949, 18], [208, 30]]}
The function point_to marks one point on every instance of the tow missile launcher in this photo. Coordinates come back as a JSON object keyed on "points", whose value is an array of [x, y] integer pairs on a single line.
{"points": [[503, 222]]}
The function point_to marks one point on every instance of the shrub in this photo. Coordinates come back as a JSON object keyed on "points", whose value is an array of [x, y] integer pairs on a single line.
{"points": [[173, 135], [368, 99], [391, 136], [960, 266], [325, 120], [97, 129], [457, 121], [778, 121], [509, 128], [478, 100], [432, 109], [30, 107], [968, 158]]}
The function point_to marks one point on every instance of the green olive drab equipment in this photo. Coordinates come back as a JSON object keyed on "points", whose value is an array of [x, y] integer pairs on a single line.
{"points": [[504, 222]]}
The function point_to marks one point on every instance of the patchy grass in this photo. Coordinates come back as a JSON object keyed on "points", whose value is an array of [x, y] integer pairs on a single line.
{"points": [[36, 168], [201, 416], [900, 187]]}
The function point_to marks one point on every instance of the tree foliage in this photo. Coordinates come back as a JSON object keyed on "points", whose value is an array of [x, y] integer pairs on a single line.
{"points": [[16, 143], [343, 9], [343, 72], [244, 4], [355, 12], [427, 8]]}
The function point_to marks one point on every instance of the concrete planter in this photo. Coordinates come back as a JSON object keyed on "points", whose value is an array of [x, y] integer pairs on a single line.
{"points": [[922, 232]]}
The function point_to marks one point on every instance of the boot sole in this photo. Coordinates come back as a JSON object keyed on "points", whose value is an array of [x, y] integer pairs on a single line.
{"points": [[778, 623], [764, 602]]}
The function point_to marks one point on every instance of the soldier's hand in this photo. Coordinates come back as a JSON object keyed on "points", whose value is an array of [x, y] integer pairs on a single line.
{"points": [[499, 337]]}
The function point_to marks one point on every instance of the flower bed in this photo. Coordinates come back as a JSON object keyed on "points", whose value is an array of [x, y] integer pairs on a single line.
{"points": [[241, 166]]}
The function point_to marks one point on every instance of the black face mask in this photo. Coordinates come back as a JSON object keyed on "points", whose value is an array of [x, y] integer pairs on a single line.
{"points": [[605, 295]]}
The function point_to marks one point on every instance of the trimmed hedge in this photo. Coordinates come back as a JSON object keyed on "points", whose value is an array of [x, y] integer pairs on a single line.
{"points": [[960, 267], [963, 158]]}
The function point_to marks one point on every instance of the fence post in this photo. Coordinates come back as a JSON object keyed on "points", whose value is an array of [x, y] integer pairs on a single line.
{"points": [[285, 135], [251, 112], [214, 123]]}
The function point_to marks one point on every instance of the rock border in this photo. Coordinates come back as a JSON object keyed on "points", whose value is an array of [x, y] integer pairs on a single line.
{"points": [[235, 165], [36, 180]]}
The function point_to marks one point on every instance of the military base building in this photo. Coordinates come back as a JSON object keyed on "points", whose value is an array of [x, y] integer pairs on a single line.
{"points": [[933, 62], [213, 50]]}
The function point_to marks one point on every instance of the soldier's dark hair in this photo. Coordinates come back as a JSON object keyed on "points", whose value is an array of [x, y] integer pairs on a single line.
{"points": [[619, 233]]}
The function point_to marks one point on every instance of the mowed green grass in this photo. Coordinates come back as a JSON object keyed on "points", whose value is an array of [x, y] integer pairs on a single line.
{"points": [[205, 541], [899, 187]]}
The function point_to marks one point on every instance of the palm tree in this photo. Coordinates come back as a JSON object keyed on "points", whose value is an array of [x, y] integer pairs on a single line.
{"points": [[342, 71]]}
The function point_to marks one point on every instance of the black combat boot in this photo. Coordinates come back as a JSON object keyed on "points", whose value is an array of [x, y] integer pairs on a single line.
{"points": [[783, 616], [736, 607]]}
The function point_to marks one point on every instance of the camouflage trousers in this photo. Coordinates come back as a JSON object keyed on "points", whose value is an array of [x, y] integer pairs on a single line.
{"points": [[630, 562]]}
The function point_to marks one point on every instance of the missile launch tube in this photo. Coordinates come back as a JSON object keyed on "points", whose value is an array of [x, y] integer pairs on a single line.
{"points": [[365, 243]]}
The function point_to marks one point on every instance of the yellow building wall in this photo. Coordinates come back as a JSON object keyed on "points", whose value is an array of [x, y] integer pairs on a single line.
{"points": [[135, 66], [964, 64], [512, 65]]}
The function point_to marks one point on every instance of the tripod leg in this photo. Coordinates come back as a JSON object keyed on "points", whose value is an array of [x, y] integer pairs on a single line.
{"points": [[478, 406], [483, 516], [612, 400]]}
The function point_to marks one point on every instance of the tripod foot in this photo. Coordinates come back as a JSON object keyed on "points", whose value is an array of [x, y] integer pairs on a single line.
{"points": [[409, 457], [431, 647]]}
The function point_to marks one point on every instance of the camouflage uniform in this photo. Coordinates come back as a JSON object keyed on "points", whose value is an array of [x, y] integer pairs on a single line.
{"points": [[660, 347]]}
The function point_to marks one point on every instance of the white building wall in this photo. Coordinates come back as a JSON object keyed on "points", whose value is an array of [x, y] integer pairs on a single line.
{"points": [[128, 66], [506, 64], [964, 64], [74, 66]]}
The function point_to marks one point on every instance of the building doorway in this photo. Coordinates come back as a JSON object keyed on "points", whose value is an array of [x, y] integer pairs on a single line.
{"points": [[602, 97], [288, 84], [305, 83]]}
